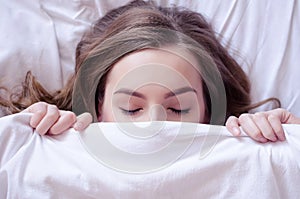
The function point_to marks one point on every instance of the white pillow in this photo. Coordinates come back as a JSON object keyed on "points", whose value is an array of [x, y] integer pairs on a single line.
{"points": [[41, 36]]}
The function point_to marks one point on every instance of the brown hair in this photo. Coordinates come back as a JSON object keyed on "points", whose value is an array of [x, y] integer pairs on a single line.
{"points": [[134, 27]]}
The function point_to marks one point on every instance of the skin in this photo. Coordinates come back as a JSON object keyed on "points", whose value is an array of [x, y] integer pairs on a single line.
{"points": [[48, 119], [173, 92], [262, 126], [168, 87]]}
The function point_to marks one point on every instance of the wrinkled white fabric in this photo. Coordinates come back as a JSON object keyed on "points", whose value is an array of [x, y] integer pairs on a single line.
{"points": [[41, 36], [33, 166]]}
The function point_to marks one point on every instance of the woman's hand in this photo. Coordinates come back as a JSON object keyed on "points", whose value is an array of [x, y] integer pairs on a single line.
{"points": [[48, 119], [262, 126]]}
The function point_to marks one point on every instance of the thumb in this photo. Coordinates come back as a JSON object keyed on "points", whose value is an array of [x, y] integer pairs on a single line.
{"points": [[292, 119], [83, 121], [286, 117]]}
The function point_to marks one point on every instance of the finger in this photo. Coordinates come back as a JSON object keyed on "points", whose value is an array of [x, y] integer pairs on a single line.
{"points": [[288, 118], [232, 125], [39, 110], [83, 121], [277, 127], [285, 116], [292, 120], [48, 120], [65, 121], [264, 126], [35, 107], [250, 128]]}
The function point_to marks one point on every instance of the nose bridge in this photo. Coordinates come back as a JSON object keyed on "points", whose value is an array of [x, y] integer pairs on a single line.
{"points": [[158, 113]]}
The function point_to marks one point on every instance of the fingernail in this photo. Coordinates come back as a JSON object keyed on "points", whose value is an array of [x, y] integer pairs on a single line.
{"points": [[263, 140], [236, 131], [273, 139], [33, 124], [281, 137], [78, 126], [40, 133]]}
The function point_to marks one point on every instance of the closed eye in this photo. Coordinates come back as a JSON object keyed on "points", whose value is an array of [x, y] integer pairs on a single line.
{"points": [[179, 111], [130, 111]]}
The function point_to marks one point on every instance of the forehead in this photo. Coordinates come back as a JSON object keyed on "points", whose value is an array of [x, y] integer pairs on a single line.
{"points": [[169, 67]]}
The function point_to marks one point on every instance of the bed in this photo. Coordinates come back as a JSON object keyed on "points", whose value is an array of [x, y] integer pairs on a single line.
{"points": [[41, 36]]}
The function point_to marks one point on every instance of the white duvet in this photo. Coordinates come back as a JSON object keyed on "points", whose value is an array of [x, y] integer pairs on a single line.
{"points": [[262, 35], [214, 164]]}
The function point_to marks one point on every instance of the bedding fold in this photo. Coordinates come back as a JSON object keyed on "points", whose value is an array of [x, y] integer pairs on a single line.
{"points": [[209, 162]]}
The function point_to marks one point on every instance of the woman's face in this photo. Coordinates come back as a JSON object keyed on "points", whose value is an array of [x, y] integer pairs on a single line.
{"points": [[154, 84]]}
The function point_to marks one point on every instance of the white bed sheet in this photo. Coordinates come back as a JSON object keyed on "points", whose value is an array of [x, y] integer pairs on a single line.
{"points": [[41, 35], [33, 166]]}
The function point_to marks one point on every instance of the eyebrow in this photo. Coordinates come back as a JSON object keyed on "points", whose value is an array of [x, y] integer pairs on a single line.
{"points": [[180, 91], [130, 92], [169, 94]]}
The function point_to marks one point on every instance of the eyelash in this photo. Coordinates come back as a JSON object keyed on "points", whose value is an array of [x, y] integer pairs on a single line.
{"points": [[131, 112], [135, 111], [178, 112]]}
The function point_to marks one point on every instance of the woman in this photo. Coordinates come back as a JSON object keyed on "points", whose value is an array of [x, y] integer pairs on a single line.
{"points": [[130, 43]]}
